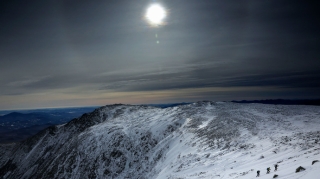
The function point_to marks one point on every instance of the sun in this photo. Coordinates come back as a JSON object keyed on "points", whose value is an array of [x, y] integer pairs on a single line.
{"points": [[156, 14]]}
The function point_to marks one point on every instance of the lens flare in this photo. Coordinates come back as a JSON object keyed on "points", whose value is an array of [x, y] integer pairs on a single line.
{"points": [[156, 14]]}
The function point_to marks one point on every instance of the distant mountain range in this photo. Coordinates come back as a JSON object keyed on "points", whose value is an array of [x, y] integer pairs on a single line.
{"points": [[16, 126], [315, 102], [17, 120]]}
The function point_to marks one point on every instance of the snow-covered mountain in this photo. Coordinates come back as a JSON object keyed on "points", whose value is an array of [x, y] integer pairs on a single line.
{"points": [[199, 140]]}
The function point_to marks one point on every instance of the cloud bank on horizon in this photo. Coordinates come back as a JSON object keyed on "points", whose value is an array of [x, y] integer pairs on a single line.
{"points": [[75, 53]]}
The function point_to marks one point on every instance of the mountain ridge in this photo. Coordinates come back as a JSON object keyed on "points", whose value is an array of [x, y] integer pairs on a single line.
{"points": [[188, 141]]}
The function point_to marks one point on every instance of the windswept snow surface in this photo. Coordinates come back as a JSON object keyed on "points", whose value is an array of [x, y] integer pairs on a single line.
{"points": [[199, 140]]}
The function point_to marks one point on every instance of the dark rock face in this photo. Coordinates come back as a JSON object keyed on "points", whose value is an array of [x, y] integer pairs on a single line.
{"points": [[9, 166]]}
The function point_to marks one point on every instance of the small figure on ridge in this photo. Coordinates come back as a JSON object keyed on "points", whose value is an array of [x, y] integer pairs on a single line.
{"points": [[258, 173]]}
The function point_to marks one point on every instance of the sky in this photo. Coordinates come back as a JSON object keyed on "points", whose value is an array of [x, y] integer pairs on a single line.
{"points": [[57, 53]]}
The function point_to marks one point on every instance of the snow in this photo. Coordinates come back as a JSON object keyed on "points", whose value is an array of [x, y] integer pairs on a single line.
{"points": [[201, 140], [192, 162]]}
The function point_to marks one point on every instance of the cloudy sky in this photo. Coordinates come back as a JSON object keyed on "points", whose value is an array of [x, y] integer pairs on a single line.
{"points": [[57, 53]]}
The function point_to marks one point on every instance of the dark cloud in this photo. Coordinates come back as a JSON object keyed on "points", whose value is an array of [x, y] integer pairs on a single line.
{"points": [[268, 49]]}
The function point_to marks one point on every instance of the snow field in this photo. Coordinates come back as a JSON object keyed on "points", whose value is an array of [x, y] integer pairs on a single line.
{"points": [[201, 140]]}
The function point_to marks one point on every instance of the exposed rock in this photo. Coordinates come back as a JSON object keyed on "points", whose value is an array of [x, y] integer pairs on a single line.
{"points": [[315, 161], [299, 169]]}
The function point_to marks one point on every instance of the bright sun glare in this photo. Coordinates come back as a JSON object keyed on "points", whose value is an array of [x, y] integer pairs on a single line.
{"points": [[156, 14]]}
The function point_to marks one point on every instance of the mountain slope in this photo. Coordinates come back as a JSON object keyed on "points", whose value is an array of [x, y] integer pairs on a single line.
{"points": [[199, 140]]}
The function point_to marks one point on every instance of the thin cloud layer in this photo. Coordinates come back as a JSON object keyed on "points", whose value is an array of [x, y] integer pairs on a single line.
{"points": [[95, 53]]}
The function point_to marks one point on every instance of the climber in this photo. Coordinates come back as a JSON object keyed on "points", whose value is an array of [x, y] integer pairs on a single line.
{"points": [[268, 170], [258, 173], [275, 167]]}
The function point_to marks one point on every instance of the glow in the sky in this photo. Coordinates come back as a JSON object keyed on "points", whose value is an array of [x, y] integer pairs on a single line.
{"points": [[156, 14]]}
